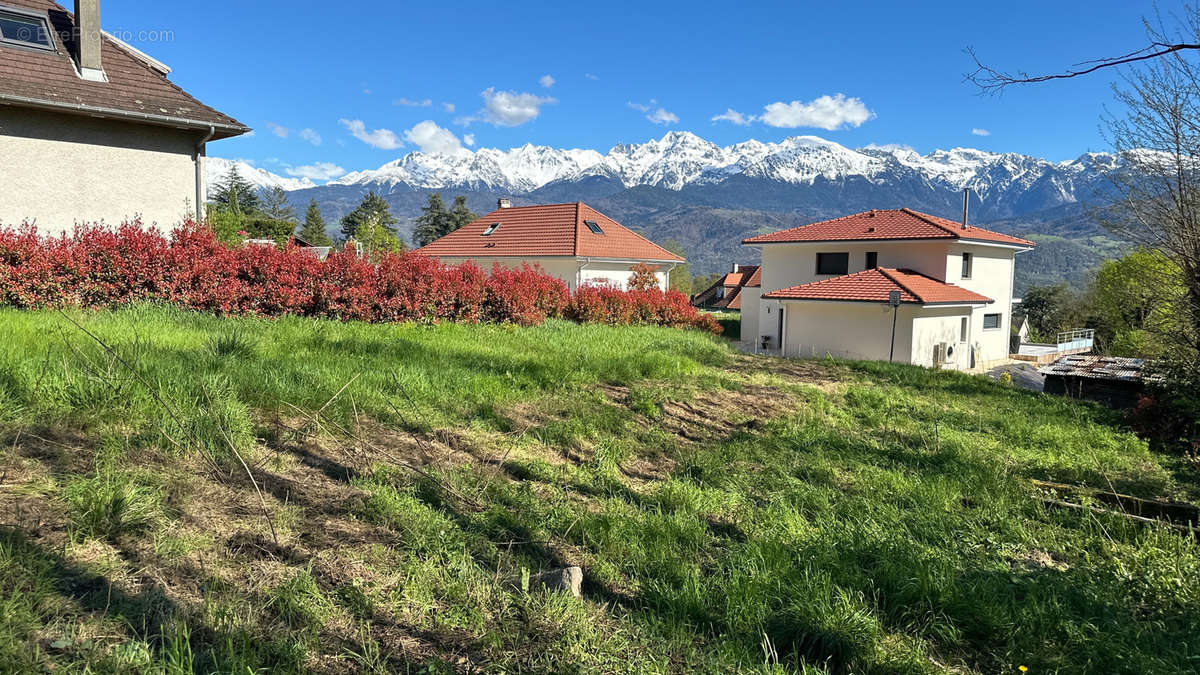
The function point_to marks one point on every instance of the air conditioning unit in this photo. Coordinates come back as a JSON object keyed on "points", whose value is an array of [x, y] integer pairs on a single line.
{"points": [[942, 353]]}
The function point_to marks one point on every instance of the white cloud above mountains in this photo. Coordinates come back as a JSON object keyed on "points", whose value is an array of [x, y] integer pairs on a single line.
{"points": [[508, 108], [431, 138], [981, 132], [311, 136], [824, 112], [546, 81], [280, 131], [655, 113], [320, 171], [422, 103], [383, 139]]}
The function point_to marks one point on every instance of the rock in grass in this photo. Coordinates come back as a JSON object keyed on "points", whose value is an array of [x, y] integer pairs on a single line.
{"points": [[566, 580]]}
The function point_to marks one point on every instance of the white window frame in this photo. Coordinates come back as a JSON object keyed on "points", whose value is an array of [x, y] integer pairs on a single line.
{"points": [[999, 320], [32, 16]]}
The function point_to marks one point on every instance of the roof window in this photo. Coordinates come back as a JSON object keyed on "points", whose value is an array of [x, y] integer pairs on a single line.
{"points": [[491, 229], [25, 29], [594, 226]]}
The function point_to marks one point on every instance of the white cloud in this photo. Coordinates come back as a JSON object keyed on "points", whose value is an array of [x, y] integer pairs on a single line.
{"points": [[318, 171], [546, 81], [279, 131], [423, 103], [734, 116], [826, 112], [591, 76], [448, 107], [890, 147], [384, 139], [655, 113], [429, 137], [981, 132], [469, 139], [508, 108], [311, 136]]}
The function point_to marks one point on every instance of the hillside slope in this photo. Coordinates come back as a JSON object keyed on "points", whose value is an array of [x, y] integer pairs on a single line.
{"points": [[731, 513]]}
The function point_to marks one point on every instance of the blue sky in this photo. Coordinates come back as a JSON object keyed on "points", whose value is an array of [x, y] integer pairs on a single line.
{"points": [[357, 83]]}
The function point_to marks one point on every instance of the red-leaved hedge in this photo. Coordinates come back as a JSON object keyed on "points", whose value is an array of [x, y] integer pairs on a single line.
{"points": [[97, 266]]}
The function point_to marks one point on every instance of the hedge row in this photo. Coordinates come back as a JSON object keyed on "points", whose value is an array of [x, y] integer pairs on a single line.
{"points": [[101, 267]]}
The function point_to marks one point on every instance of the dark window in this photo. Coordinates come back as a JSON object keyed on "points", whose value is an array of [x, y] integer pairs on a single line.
{"points": [[991, 321], [833, 263], [29, 30], [490, 229], [966, 270], [872, 260], [594, 226]]}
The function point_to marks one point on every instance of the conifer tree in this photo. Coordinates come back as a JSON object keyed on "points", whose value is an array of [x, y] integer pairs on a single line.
{"points": [[432, 222], [237, 194], [275, 205], [373, 210], [314, 226]]}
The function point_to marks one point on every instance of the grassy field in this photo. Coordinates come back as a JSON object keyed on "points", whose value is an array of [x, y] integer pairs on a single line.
{"points": [[731, 513]]}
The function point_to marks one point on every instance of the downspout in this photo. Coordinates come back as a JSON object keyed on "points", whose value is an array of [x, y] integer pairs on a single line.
{"points": [[579, 272], [668, 281], [200, 196]]}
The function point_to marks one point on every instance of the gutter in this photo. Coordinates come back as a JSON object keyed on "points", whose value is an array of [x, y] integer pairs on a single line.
{"points": [[196, 159], [100, 111]]}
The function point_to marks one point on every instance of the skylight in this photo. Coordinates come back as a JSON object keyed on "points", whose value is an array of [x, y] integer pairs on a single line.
{"points": [[491, 229], [594, 226], [25, 30]]}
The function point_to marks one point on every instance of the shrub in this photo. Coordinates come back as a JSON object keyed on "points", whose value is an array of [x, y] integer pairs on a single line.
{"points": [[96, 266]]}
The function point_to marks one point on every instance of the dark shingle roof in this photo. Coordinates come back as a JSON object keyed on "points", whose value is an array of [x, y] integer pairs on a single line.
{"points": [[135, 90]]}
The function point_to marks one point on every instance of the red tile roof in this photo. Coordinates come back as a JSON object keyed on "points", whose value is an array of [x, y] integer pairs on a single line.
{"points": [[135, 90], [549, 230], [877, 284], [886, 224], [731, 285]]}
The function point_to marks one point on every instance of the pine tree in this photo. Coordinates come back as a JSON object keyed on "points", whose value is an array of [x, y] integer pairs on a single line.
{"points": [[314, 226], [460, 215], [275, 205], [237, 193], [373, 210], [433, 221]]}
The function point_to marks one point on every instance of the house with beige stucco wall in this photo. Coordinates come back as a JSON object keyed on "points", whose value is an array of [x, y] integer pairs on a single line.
{"points": [[91, 129], [572, 242], [885, 285]]}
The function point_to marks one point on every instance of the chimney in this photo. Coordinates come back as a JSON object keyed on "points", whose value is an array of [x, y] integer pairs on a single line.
{"points": [[87, 40], [504, 204], [966, 201], [736, 267]]}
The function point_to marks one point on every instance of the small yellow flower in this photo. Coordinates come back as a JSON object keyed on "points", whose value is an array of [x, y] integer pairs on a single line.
{"points": [[1023, 669]]}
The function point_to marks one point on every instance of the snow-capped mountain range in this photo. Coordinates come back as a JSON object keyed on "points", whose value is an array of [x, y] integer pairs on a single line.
{"points": [[680, 160], [217, 169]]}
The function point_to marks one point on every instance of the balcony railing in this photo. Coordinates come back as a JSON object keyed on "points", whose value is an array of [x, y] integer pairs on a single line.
{"points": [[1072, 340]]}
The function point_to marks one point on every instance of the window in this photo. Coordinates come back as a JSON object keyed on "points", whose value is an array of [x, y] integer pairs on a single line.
{"points": [[991, 321], [833, 263], [490, 229], [966, 270], [962, 331], [872, 260], [26, 30], [594, 226]]}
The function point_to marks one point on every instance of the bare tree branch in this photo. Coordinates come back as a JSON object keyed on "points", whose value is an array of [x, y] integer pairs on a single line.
{"points": [[992, 81]]}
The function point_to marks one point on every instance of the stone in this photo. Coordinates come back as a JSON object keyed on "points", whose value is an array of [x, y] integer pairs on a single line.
{"points": [[566, 580]]}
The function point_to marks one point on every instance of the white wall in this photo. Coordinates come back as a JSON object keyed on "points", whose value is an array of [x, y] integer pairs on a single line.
{"points": [[851, 330], [61, 169], [992, 276], [934, 325], [751, 305], [572, 271]]}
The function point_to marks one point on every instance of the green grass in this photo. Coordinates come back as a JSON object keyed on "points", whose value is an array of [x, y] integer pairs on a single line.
{"points": [[732, 514]]}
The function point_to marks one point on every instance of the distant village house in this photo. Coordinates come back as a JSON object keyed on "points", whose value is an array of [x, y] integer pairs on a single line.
{"points": [[572, 242]]}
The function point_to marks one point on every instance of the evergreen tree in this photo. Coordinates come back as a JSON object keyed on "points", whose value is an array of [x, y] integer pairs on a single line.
{"points": [[275, 205], [460, 215], [237, 194], [373, 210], [433, 221], [314, 226]]}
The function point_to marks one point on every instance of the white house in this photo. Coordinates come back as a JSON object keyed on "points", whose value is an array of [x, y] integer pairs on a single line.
{"points": [[91, 129], [826, 290], [573, 242]]}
